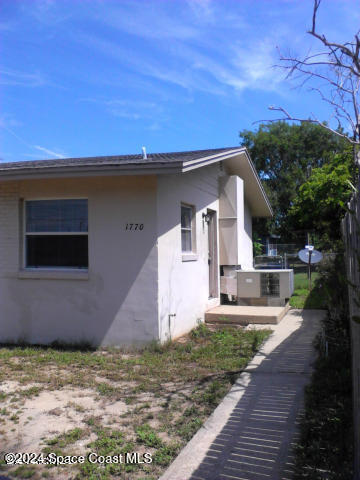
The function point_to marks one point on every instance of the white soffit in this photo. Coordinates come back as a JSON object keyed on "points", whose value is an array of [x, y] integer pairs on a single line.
{"points": [[241, 165]]}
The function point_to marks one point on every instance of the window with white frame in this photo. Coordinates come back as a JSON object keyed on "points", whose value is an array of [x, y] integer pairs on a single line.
{"points": [[187, 229], [56, 233]]}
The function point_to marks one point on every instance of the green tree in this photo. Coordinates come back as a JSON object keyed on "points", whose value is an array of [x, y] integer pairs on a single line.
{"points": [[257, 246], [322, 199], [284, 155]]}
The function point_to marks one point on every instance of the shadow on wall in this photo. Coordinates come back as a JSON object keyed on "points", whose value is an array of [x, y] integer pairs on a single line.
{"points": [[85, 311], [256, 441], [179, 280], [117, 304]]}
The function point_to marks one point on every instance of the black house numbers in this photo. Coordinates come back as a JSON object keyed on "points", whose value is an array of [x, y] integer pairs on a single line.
{"points": [[134, 226]]}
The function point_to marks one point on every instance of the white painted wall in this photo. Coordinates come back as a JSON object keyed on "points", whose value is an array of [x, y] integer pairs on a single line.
{"points": [[117, 303], [184, 286], [245, 239], [235, 224], [136, 279]]}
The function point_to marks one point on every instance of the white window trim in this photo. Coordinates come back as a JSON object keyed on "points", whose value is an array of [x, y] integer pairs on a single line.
{"points": [[53, 274], [49, 272], [191, 255]]}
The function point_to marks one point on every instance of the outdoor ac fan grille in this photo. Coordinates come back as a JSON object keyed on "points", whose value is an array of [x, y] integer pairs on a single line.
{"points": [[270, 284]]}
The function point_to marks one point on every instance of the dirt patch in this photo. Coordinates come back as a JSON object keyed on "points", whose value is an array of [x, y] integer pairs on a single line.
{"points": [[51, 413], [115, 404]]}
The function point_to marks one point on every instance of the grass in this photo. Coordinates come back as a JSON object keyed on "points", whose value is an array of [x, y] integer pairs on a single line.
{"points": [[167, 391], [62, 441], [25, 471], [147, 436], [303, 297]]}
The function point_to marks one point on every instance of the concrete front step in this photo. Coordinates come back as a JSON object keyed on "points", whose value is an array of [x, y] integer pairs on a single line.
{"points": [[240, 315]]}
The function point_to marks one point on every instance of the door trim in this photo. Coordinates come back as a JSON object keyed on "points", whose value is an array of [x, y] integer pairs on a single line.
{"points": [[213, 261]]}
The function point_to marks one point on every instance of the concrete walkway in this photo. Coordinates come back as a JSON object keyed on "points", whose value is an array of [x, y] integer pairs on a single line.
{"points": [[250, 434]]}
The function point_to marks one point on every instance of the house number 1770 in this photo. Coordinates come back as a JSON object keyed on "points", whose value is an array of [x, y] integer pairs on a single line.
{"points": [[134, 226]]}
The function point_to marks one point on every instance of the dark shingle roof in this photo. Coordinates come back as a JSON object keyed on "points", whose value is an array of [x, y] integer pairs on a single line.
{"points": [[114, 160]]}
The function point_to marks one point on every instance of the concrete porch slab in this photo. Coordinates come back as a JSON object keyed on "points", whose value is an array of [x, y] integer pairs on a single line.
{"points": [[241, 315]]}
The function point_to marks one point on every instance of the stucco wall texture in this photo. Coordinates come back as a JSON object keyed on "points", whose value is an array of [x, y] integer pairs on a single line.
{"points": [[116, 303], [184, 285], [137, 288]]}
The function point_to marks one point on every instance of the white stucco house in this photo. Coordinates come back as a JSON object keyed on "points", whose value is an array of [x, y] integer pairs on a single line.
{"points": [[122, 249]]}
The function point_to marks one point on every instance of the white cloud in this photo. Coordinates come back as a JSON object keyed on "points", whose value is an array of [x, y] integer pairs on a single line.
{"points": [[48, 12], [199, 45], [158, 68], [239, 67], [185, 48], [4, 125], [8, 120], [125, 108], [153, 20], [255, 65], [203, 10], [15, 77], [153, 127], [49, 152]]}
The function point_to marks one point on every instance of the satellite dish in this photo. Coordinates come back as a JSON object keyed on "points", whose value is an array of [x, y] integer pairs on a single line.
{"points": [[310, 256]]}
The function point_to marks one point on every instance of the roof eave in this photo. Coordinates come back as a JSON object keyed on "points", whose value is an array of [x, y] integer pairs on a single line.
{"points": [[254, 191], [200, 162], [139, 168], [90, 171]]}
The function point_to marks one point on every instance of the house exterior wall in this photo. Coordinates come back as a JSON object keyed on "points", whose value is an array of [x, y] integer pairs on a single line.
{"points": [[138, 286], [245, 243], [235, 223], [116, 302], [184, 285]]}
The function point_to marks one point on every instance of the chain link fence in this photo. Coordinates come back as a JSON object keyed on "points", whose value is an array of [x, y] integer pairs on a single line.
{"points": [[285, 255]]}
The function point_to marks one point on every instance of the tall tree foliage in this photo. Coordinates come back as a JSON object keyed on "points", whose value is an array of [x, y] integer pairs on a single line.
{"points": [[284, 155], [322, 199]]}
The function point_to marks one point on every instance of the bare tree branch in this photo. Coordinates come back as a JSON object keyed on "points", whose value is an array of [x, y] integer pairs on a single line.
{"points": [[310, 74], [316, 7], [289, 117], [337, 106], [334, 47], [337, 64]]}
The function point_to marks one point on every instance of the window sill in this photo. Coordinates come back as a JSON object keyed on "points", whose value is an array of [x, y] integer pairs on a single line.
{"points": [[40, 274], [189, 257]]}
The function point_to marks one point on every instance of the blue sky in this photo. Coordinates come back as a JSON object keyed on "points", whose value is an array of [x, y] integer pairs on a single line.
{"points": [[102, 77]]}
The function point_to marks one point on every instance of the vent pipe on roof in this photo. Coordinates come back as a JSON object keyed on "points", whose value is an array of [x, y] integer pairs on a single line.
{"points": [[144, 153]]}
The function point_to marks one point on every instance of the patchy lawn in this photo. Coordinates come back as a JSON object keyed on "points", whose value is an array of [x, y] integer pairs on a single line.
{"points": [[112, 402], [302, 297]]}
